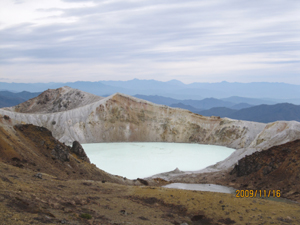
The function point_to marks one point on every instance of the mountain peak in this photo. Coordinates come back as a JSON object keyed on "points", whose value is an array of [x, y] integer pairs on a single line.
{"points": [[56, 100]]}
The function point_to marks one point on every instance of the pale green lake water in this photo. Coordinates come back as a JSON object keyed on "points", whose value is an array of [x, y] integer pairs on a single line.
{"points": [[143, 159]]}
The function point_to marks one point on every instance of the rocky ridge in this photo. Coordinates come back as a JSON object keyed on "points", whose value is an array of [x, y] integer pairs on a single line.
{"points": [[56, 100], [122, 118]]}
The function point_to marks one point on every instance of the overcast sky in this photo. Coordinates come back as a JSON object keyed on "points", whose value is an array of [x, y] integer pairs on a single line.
{"points": [[190, 40]]}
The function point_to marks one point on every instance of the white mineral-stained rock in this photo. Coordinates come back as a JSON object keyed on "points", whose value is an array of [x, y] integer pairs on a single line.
{"points": [[122, 118]]}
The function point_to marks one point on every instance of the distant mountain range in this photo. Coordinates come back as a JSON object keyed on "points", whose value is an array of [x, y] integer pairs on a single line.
{"points": [[199, 105], [183, 106], [217, 111], [192, 105], [260, 113], [235, 110], [206, 107], [269, 113], [241, 106], [8, 98], [261, 91], [251, 101]]}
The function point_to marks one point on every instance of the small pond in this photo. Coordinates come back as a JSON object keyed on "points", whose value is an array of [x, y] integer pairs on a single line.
{"points": [[202, 187]]}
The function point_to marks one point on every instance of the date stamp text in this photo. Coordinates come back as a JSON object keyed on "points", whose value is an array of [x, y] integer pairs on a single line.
{"points": [[257, 193]]}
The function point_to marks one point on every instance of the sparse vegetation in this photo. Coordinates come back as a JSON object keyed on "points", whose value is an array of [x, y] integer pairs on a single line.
{"points": [[86, 216]]}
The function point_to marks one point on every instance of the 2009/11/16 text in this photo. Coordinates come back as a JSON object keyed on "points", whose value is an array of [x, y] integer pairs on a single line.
{"points": [[257, 193]]}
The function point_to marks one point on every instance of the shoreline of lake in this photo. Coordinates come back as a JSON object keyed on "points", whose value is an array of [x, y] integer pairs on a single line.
{"points": [[144, 159]]}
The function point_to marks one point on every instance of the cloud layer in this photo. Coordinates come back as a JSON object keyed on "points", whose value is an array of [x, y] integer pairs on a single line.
{"points": [[203, 41]]}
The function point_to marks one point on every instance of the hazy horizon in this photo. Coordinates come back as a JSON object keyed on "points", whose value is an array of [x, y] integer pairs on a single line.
{"points": [[224, 81]]}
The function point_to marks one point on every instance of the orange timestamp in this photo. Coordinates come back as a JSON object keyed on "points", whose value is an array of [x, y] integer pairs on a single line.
{"points": [[257, 193]]}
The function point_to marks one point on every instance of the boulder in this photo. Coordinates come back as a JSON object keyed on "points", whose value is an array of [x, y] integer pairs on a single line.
{"points": [[78, 150]]}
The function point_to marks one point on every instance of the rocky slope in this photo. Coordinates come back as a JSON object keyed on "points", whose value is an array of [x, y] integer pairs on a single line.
{"points": [[124, 118], [56, 100], [276, 168], [43, 181], [34, 148]]}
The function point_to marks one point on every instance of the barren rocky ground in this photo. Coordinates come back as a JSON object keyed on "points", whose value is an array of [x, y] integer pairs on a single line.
{"points": [[276, 168], [38, 186], [44, 181], [27, 199]]}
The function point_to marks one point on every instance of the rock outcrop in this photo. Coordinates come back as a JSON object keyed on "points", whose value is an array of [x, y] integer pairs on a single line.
{"points": [[34, 148], [122, 118], [276, 168], [60, 153], [78, 150]]}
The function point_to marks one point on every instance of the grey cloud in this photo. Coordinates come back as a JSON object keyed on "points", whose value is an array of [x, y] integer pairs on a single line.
{"points": [[48, 10], [18, 1], [122, 31], [281, 62]]}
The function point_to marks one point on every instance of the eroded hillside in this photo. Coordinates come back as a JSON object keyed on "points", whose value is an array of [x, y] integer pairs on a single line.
{"points": [[56, 100], [124, 118], [32, 147], [276, 168], [43, 181]]}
